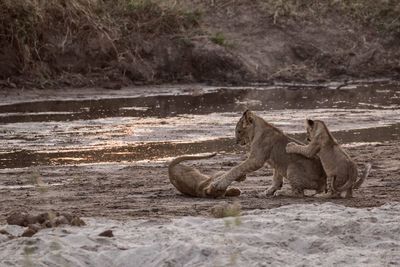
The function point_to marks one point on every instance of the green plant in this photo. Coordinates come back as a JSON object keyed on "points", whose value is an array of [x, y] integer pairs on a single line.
{"points": [[137, 5], [193, 17], [218, 39]]}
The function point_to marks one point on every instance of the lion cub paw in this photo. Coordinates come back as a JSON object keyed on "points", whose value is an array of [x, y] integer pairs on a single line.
{"points": [[262, 194], [270, 191], [214, 191], [266, 193], [327, 195], [279, 193], [293, 193]]}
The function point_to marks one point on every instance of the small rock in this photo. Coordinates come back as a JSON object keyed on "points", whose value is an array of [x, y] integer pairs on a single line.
{"points": [[17, 218], [4, 232], [206, 252], [29, 232], [68, 216], [76, 221], [30, 219], [42, 217], [35, 227], [48, 224], [60, 220], [107, 233]]}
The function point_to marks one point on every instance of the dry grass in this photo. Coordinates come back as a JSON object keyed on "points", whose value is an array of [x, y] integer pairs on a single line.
{"points": [[47, 40], [150, 16], [383, 14], [36, 31]]}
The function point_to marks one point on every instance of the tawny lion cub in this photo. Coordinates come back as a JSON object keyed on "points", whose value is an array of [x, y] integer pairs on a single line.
{"points": [[190, 181], [267, 145], [341, 170]]}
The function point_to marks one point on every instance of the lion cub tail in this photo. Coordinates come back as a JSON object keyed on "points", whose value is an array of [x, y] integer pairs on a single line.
{"points": [[366, 171], [185, 158]]}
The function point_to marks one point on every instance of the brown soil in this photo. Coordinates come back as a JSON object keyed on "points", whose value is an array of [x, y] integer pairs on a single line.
{"points": [[116, 43], [144, 191]]}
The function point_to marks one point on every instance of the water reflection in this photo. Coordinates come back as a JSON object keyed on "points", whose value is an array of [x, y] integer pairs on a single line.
{"points": [[58, 132]]}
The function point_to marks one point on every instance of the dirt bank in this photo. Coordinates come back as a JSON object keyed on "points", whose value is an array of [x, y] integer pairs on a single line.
{"points": [[116, 43]]}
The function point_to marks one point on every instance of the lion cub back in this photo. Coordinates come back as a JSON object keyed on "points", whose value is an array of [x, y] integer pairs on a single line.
{"points": [[188, 180]]}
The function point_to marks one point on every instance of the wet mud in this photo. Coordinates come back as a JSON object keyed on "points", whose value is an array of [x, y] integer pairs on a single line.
{"points": [[108, 156]]}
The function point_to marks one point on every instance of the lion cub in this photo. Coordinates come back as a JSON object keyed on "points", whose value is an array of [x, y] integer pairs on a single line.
{"points": [[341, 170], [267, 145], [190, 181]]}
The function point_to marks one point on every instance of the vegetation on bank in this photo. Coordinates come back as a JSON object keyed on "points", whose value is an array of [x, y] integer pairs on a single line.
{"points": [[382, 14], [86, 42], [43, 39]]}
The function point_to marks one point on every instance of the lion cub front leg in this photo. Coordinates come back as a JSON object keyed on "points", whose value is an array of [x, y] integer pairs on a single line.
{"points": [[277, 181], [307, 151], [241, 178], [236, 173], [220, 173], [294, 177]]}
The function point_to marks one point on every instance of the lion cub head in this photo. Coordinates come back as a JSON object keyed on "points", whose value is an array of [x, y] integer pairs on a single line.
{"points": [[245, 129], [317, 131]]}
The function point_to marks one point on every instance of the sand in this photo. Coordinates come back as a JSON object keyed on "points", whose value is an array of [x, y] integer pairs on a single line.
{"points": [[293, 235]]}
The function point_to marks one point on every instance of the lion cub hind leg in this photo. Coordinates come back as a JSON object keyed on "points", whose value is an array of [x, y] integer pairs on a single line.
{"points": [[322, 189], [349, 193], [329, 192], [330, 180]]}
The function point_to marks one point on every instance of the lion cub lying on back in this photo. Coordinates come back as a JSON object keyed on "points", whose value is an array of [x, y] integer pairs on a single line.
{"points": [[341, 170], [190, 181]]}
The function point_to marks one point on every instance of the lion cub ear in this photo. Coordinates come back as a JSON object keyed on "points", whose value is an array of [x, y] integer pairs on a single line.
{"points": [[248, 116], [310, 123]]}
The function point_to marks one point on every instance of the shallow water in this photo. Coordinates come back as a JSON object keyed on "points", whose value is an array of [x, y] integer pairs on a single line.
{"points": [[189, 120]]}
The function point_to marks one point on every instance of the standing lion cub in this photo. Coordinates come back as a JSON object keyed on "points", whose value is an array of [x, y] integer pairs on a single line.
{"points": [[341, 170], [190, 181], [267, 145]]}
